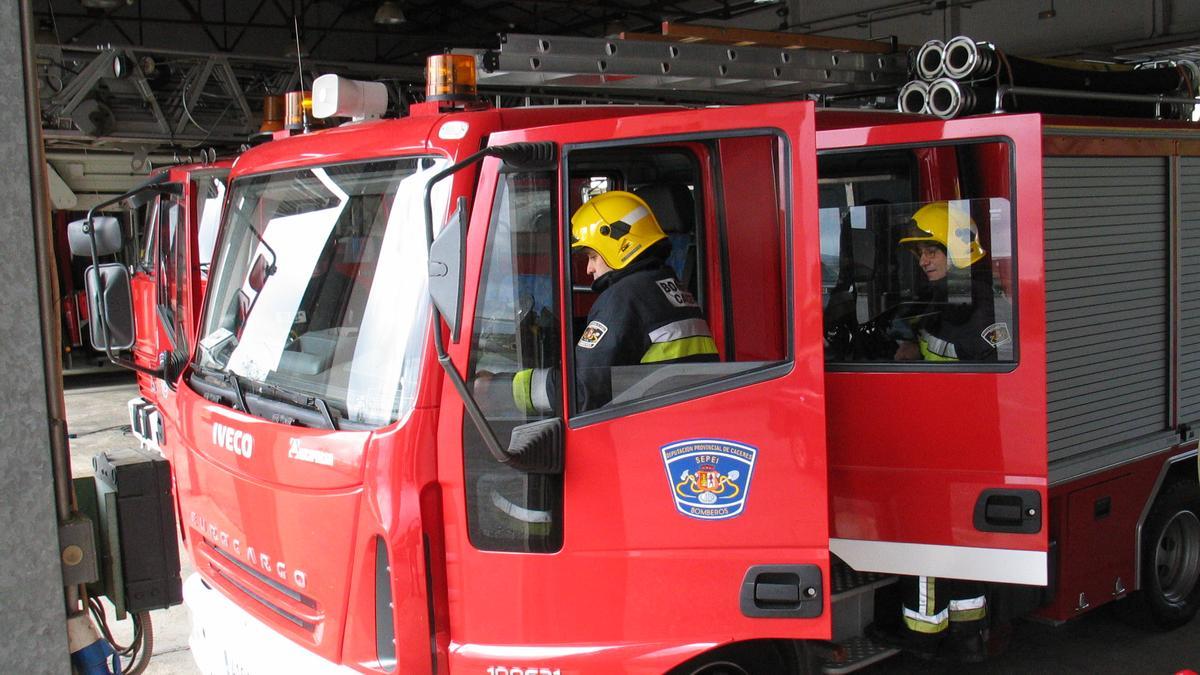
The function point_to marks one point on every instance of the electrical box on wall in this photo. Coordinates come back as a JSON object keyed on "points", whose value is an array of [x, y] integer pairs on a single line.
{"points": [[135, 515]]}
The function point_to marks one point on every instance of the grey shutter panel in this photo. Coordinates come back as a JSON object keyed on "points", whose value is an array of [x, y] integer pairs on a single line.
{"points": [[1107, 268], [1189, 291]]}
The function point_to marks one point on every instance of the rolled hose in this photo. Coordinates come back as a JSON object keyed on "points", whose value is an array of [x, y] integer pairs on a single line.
{"points": [[914, 97], [930, 60]]}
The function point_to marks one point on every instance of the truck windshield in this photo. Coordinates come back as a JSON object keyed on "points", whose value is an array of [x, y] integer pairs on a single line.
{"points": [[319, 288]]}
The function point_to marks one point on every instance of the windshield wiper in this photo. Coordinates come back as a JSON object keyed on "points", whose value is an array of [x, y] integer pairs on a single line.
{"points": [[227, 378], [310, 401], [232, 378]]}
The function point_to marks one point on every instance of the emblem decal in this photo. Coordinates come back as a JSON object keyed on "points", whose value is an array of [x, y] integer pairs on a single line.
{"points": [[996, 334], [709, 478], [592, 335]]}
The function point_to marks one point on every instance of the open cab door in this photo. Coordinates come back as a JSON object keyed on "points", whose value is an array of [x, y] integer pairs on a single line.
{"points": [[936, 368], [692, 509]]}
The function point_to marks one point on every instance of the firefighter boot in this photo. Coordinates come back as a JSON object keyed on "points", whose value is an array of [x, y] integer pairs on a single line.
{"points": [[967, 642]]}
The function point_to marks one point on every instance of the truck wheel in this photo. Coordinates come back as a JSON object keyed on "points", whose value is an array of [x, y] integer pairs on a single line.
{"points": [[1171, 556], [777, 657]]}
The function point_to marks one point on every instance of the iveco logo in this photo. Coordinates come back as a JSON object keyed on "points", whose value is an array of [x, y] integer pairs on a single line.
{"points": [[239, 443]]}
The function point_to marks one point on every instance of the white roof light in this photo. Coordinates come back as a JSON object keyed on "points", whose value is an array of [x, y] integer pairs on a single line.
{"points": [[334, 96]]}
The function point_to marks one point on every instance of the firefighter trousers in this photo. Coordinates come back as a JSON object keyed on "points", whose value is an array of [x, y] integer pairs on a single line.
{"points": [[932, 605]]}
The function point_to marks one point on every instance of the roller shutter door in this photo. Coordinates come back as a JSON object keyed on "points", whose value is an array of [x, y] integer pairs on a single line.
{"points": [[1189, 291], [1107, 303]]}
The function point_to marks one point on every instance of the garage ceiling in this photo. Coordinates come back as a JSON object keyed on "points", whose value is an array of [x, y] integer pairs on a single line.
{"points": [[195, 71]]}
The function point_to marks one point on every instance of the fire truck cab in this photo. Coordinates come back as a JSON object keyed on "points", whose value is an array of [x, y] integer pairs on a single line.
{"points": [[168, 279], [359, 491]]}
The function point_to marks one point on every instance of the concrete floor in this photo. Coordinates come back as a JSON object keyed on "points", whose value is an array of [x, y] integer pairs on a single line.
{"points": [[1097, 643]]}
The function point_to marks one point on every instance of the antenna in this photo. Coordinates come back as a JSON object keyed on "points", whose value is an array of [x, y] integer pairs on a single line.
{"points": [[300, 70]]}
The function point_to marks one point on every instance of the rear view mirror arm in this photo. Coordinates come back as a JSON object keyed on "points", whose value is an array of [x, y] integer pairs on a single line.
{"points": [[518, 155]]}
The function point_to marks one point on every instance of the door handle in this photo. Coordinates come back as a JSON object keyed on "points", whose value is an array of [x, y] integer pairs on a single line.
{"points": [[782, 591], [1003, 510]]}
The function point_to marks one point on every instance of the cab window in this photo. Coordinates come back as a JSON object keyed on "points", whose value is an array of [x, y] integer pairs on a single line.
{"points": [[515, 341], [703, 305], [171, 266], [917, 265], [703, 297]]}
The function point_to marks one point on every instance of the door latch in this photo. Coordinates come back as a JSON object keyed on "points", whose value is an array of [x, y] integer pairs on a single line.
{"points": [[782, 591], [1003, 510]]}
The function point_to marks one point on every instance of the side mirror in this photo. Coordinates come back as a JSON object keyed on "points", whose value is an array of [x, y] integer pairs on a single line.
{"points": [[259, 272], [446, 268], [108, 236], [110, 304]]}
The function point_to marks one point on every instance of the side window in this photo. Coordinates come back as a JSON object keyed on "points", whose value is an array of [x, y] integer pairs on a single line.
{"points": [[210, 191], [681, 274], [172, 259], [148, 256], [917, 255], [515, 361]]}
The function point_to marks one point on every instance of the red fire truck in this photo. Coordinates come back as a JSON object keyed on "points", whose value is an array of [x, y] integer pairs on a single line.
{"points": [[182, 211], [359, 493]]}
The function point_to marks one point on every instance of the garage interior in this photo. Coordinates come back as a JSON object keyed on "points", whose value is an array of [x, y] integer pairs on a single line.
{"points": [[125, 87]]}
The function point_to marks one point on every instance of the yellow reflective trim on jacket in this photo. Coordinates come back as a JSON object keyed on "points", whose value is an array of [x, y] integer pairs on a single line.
{"points": [[679, 349], [522, 384], [930, 356]]}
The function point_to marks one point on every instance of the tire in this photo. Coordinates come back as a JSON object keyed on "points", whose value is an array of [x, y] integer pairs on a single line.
{"points": [[1171, 556], [756, 657]]}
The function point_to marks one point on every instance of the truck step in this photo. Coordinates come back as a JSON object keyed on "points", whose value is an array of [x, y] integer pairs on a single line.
{"points": [[855, 654], [853, 600]]}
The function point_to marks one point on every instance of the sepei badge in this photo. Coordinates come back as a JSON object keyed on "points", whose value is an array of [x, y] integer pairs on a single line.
{"points": [[709, 478], [592, 334], [996, 334]]}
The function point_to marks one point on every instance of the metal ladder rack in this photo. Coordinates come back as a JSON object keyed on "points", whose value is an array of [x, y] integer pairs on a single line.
{"points": [[692, 70]]}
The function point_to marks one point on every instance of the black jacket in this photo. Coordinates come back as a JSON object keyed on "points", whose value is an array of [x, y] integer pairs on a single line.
{"points": [[960, 322], [643, 315]]}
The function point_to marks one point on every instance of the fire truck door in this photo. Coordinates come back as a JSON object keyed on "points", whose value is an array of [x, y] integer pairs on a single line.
{"points": [[693, 504], [935, 357]]}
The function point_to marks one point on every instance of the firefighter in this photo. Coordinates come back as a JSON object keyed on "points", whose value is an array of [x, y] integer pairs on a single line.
{"points": [[643, 315], [948, 617], [958, 322]]}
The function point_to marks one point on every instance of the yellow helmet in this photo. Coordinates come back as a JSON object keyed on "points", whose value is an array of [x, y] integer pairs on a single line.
{"points": [[951, 227], [618, 225]]}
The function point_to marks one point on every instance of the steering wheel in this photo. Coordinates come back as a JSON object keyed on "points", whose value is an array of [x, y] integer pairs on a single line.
{"points": [[873, 339]]}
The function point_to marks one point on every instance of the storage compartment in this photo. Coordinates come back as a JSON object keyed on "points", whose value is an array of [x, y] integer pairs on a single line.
{"points": [[1108, 303]]}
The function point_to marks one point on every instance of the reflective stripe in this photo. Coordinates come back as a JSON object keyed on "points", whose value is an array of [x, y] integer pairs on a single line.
{"points": [[678, 349], [922, 620], [633, 216], [936, 349], [917, 622], [521, 393], [969, 615], [971, 609], [681, 329], [925, 603], [538, 392]]}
